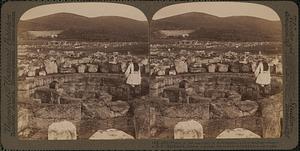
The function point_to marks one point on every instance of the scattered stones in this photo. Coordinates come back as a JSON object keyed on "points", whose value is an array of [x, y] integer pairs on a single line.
{"points": [[237, 133], [110, 134], [188, 130], [63, 130]]}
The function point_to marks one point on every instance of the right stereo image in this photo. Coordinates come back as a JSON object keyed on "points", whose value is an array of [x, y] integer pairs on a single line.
{"points": [[215, 72]]}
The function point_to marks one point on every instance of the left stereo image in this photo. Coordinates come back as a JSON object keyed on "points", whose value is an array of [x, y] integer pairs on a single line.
{"points": [[80, 69]]}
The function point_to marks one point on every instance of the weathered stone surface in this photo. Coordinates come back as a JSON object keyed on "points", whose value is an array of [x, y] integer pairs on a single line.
{"points": [[81, 68], [195, 110], [51, 67], [237, 133], [188, 130], [42, 73], [212, 68], [142, 121], [31, 72], [115, 68], [110, 134], [24, 116], [55, 111], [270, 109], [181, 66], [161, 72], [66, 70], [104, 67], [103, 108], [92, 68], [223, 109], [235, 68], [223, 67], [246, 68], [247, 107], [63, 130], [174, 94], [197, 69]]}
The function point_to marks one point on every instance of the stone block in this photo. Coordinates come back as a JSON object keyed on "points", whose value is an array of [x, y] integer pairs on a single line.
{"points": [[197, 69], [92, 68], [81, 68], [110, 134], [188, 130], [237, 133], [51, 67], [212, 68], [63, 130], [223, 67]]}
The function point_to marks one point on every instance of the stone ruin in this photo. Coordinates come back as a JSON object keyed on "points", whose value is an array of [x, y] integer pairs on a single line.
{"points": [[85, 101], [219, 106]]}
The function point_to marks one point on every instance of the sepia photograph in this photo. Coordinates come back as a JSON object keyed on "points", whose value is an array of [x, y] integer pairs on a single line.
{"points": [[102, 71], [80, 68], [216, 71]]}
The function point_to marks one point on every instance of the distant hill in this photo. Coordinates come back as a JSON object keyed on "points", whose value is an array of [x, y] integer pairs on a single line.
{"points": [[104, 28], [209, 27]]}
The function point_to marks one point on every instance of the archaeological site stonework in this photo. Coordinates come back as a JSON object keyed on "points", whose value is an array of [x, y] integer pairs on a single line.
{"points": [[100, 105]]}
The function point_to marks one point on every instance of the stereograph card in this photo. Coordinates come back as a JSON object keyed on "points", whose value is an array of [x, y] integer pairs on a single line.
{"points": [[149, 75]]}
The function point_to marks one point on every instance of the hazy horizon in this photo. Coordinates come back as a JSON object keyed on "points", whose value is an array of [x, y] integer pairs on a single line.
{"points": [[89, 9], [219, 9], [96, 9]]}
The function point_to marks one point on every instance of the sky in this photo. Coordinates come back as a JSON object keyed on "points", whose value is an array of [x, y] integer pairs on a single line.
{"points": [[220, 9], [86, 9]]}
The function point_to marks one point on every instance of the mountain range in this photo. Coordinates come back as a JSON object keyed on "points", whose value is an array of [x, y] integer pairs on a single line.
{"points": [[104, 28], [209, 27], [113, 28]]}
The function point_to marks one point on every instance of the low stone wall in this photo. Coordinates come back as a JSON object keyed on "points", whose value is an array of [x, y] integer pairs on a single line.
{"points": [[77, 84], [242, 83]]}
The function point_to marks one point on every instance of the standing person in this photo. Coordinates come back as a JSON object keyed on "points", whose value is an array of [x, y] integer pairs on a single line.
{"points": [[263, 75], [55, 93], [133, 75]]}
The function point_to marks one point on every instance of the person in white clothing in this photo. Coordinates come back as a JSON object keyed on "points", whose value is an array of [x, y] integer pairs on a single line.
{"points": [[133, 74], [263, 75], [134, 79]]}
